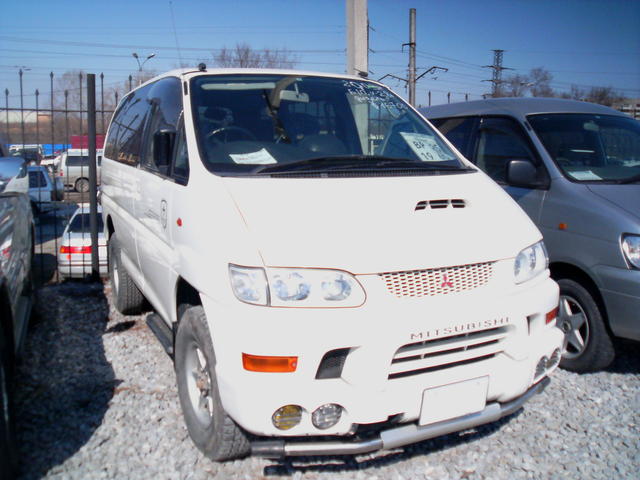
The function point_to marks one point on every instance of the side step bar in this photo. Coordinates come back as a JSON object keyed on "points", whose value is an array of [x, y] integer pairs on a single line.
{"points": [[394, 437], [162, 332]]}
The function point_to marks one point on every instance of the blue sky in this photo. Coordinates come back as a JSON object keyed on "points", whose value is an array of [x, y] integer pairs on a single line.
{"points": [[583, 42]]}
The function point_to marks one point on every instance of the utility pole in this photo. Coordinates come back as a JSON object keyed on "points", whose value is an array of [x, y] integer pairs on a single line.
{"points": [[496, 80], [411, 83], [357, 38]]}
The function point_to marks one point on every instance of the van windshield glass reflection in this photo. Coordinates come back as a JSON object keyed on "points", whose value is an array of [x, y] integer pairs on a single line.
{"points": [[252, 124]]}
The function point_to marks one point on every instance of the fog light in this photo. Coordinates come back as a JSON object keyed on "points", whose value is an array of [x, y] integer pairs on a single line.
{"points": [[541, 367], [287, 417], [554, 360], [326, 416]]}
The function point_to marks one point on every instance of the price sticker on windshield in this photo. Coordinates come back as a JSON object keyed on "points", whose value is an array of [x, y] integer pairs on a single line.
{"points": [[425, 147]]}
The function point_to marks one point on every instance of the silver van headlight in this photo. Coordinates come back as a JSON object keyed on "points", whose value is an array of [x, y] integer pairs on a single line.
{"points": [[631, 249], [296, 287], [530, 262]]}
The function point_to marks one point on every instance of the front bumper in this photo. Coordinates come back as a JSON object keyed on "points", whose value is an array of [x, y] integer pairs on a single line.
{"points": [[367, 389], [394, 437], [620, 288]]}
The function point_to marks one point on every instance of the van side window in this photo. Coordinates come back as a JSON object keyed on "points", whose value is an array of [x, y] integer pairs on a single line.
{"points": [[501, 140], [458, 131], [165, 99], [130, 121]]}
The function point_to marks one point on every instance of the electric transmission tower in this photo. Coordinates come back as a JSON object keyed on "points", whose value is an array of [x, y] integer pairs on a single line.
{"points": [[496, 90]]}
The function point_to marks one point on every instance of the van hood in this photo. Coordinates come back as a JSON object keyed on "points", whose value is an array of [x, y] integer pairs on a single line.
{"points": [[371, 225], [627, 197]]}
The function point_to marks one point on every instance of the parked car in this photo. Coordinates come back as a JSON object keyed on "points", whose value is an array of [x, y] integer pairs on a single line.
{"points": [[73, 168], [320, 261], [16, 292], [32, 153], [74, 255], [44, 189], [574, 167]]}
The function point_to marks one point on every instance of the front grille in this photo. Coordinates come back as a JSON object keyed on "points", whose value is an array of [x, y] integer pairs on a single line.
{"points": [[438, 281], [442, 353]]}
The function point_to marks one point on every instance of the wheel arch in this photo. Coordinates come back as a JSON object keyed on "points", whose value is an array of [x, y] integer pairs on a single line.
{"points": [[186, 294], [566, 270]]}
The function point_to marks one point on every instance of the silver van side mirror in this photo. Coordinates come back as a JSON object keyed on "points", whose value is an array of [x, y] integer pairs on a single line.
{"points": [[523, 173]]}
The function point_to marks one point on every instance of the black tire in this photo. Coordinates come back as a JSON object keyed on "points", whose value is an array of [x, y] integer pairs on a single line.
{"points": [[82, 185], [127, 298], [210, 428], [8, 455], [587, 346]]}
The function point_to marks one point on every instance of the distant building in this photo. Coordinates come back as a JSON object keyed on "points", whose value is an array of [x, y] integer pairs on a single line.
{"points": [[631, 108]]}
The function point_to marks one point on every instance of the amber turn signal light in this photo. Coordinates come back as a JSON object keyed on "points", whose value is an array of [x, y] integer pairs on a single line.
{"points": [[259, 363]]}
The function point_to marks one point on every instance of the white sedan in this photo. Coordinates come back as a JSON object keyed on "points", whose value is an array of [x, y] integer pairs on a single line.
{"points": [[74, 255]]}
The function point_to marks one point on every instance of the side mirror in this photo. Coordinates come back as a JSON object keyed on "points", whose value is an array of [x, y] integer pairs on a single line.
{"points": [[163, 141], [523, 173]]}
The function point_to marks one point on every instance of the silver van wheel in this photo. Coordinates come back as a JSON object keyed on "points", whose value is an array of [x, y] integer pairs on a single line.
{"points": [[587, 345], [82, 185], [572, 320]]}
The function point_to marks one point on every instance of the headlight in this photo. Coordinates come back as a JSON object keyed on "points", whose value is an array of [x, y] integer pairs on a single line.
{"points": [[310, 287], [530, 262], [631, 249], [296, 287], [249, 284]]}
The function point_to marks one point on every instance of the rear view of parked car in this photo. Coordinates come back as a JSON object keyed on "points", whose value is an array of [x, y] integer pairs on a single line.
{"points": [[574, 167], [44, 189], [73, 168], [74, 255]]}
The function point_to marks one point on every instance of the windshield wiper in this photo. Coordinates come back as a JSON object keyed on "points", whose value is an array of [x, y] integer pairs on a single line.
{"points": [[354, 162], [633, 179]]}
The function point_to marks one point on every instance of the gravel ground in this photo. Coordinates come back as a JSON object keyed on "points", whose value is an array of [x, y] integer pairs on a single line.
{"points": [[96, 398]]}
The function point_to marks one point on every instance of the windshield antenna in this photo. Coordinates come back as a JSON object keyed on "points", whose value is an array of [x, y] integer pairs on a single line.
{"points": [[175, 34]]}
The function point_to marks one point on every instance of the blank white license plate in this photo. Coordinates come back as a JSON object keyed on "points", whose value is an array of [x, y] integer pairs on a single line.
{"points": [[453, 400]]}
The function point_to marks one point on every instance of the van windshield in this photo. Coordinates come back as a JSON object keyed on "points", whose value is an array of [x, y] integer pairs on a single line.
{"points": [[591, 148], [279, 124]]}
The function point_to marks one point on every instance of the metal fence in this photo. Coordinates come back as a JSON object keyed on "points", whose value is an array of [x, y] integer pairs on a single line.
{"points": [[58, 133]]}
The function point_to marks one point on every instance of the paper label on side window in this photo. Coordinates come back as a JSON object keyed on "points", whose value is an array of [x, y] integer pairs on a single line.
{"points": [[425, 147], [585, 175], [261, 157]]}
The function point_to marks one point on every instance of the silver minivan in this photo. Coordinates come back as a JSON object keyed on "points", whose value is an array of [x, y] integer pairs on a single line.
{"points": [[73, 168], [574, 167]]}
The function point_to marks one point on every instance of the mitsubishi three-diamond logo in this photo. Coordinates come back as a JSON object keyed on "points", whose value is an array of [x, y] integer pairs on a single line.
{"points": [[446, 282]]}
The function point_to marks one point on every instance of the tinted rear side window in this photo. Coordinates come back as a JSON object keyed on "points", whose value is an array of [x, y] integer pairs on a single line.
{"points": [[77, 161], [127, 128]]}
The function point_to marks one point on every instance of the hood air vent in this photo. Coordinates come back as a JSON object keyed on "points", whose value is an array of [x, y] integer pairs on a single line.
{"points": [[446, 203]]}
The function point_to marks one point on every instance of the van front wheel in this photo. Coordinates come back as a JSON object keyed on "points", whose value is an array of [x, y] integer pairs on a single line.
{"points": [[127, 298], [210, 428], [587, 345]]}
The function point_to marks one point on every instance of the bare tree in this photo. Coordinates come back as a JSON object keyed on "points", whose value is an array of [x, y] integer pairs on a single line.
{"points": [[242, 55], [516, 86], [540, 78]]}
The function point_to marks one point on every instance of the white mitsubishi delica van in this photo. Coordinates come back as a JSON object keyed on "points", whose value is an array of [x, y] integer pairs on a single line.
{"points": [[321, 263]]}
